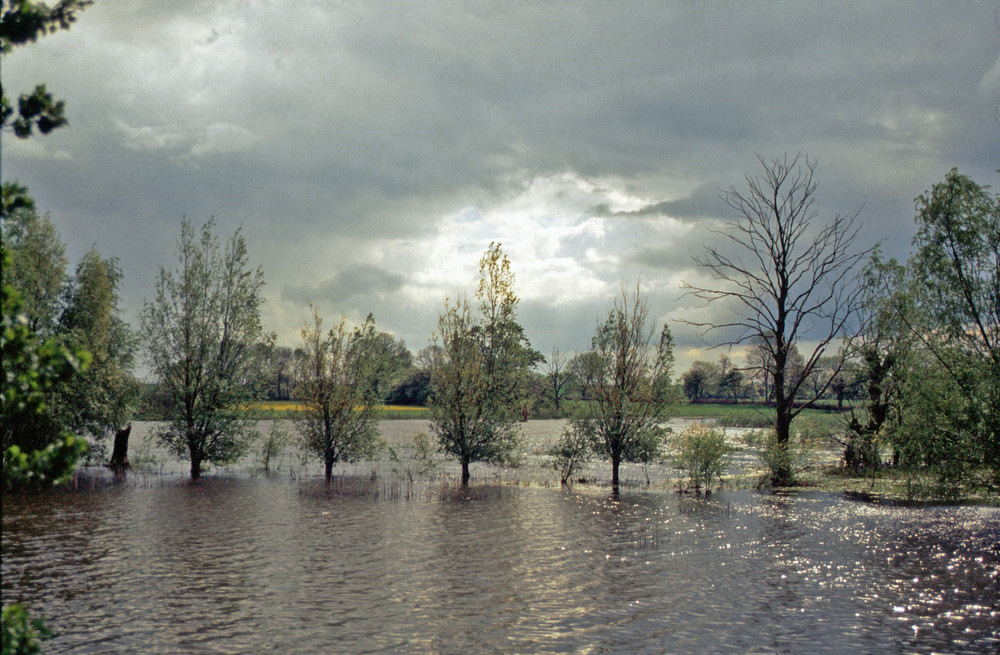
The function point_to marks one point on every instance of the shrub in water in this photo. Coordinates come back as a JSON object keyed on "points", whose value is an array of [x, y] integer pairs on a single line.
{"points": [[795, 457], [571, 452], [703, 452], [272, 444]]}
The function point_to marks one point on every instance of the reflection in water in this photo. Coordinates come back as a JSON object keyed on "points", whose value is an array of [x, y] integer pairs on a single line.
{"points": [[248, 565]]}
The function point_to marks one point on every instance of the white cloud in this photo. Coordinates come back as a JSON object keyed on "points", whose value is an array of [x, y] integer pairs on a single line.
{"points": [[150, 138], [36, 149], [989, 85], [223, 139]]}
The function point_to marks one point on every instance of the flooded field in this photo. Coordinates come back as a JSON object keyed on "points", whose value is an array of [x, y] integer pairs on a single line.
{"points": [[242, 562]]}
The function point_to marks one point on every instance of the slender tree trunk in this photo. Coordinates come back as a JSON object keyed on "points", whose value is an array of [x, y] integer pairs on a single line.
{"points": [[615, 462], [782, 473], [328, 475], [465, 473], [194, 451]]}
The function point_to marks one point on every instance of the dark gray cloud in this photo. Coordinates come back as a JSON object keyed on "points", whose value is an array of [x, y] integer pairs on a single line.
{"points": [[362, 281], [703, 203]]}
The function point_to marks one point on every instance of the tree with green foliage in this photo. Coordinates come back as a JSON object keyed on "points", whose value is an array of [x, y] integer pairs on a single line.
{"points": [[480, 370], [21, 22], [508, 355], [787, 281], [700, 381], [878, 355], [731, 380], [14, 198], [80, 312], [951, 309], [632, 387], [37, 268], [36, 449], [203, 338], [340, 383], [583, 368], [102, 402], [397, 363]]}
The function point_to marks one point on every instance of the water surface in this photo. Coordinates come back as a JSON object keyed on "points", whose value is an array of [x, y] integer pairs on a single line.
{"points": [[240, 564]]}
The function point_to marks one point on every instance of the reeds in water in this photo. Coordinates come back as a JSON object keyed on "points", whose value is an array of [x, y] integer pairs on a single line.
{"points": [[450, 490], [391, 489]]}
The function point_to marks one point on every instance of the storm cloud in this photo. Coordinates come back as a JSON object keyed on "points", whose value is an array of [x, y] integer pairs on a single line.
{"points": [[372, 151]]}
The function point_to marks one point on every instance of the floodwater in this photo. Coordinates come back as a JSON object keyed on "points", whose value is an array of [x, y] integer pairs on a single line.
{"points": [[242, 563]]}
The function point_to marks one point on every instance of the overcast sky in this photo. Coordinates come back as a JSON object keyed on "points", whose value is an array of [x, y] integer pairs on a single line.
{"points": [[372, 150]]}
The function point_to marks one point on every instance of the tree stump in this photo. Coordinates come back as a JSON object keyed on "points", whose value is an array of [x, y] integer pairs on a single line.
{"points": [[119, 456]]}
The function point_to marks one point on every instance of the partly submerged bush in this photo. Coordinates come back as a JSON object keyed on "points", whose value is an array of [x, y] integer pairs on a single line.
{"points": [[571, 452], [796, 456], [272, 444], [703, 452], [45, 467]]}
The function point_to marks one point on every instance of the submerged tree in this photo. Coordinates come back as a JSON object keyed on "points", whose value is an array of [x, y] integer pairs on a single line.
{"points": [[788, 281], [203, 334], [632, 385], [879, 354], [954, 317], [339, 384], [102, 402], [79, 311], [480, 370]]}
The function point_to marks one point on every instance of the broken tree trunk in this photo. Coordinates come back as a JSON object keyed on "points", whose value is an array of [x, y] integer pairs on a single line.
{"points": [[119, 456]]}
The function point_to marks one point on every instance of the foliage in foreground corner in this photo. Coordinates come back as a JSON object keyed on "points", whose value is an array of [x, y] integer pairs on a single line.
{"points": [[35, 450], [21, 634], [49, 466]]}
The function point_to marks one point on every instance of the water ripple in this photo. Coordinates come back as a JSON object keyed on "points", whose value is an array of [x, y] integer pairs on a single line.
{"points": [[268, 565]]}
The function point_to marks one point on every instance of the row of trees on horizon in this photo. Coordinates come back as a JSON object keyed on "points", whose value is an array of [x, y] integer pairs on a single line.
{"points": [[202, 337]]}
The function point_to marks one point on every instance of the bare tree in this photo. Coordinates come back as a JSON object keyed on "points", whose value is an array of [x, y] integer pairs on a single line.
{"points": [[789, 280], [757, 357], [557, 379]]}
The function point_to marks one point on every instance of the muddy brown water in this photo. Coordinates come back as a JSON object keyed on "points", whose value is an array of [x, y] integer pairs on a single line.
{"points": [[245, 563]]}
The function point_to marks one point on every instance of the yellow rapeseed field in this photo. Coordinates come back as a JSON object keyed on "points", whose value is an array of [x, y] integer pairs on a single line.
{"points": [[293, 406]]}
